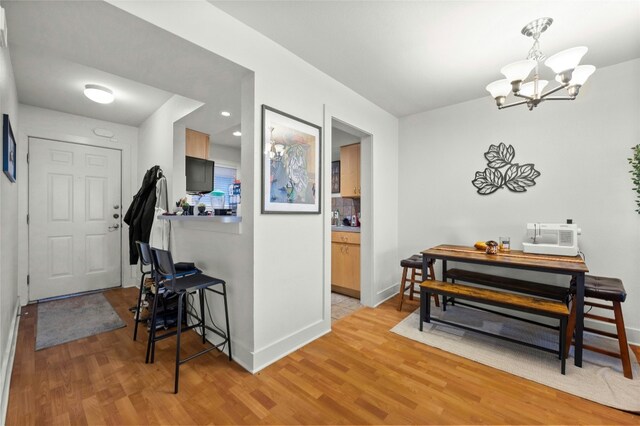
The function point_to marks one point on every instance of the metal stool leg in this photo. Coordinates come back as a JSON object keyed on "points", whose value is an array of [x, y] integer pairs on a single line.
{"points": [[137, 316], [226, 316], [152, 330], [178, 332]]}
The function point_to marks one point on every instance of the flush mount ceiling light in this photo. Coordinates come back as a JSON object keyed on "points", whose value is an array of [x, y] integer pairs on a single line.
{"points": [[569, 74], [225, 113], [99, 94], [237, 133]]}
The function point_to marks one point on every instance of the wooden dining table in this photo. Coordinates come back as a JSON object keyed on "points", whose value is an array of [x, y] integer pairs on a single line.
{"points": [[573, 266]]}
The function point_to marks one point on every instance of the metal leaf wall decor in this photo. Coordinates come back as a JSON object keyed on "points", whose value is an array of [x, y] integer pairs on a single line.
{"points": [[516, 177]]}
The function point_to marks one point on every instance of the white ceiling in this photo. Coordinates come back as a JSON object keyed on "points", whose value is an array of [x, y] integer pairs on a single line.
{"points": [[68, 44], [53, 83], [411, 56]]}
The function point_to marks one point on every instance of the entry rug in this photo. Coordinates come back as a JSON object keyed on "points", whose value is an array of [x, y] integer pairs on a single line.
{"points": [[65, 320], [600, 379]]}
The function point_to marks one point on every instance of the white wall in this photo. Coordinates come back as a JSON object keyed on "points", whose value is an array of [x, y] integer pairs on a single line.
{"points": [[48, 124], [8, 231], [227, 155], [291, 287], [156, 140], [179, 184], [581, 149]]}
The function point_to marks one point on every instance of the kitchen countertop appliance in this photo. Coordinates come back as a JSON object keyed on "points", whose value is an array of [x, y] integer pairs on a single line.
{"points": [[553, 238]]}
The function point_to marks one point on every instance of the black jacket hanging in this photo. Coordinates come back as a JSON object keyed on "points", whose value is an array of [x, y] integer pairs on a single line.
{"points": [[139, 217]]}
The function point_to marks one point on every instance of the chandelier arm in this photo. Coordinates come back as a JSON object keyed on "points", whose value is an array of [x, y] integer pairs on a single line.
{"points": [[513, 104], [560, 98], [529, 98], [552, 91]]}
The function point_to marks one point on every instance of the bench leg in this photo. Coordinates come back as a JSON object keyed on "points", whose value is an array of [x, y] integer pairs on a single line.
{"points": [[561, 349]]}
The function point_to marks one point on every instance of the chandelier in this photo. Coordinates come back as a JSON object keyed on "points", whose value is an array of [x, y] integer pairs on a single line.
{"points": [[569, 74]]}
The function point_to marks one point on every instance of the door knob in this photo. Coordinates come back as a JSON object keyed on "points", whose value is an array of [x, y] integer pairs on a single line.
{"points": [[116, 215], [114, 227], [116, 206]]}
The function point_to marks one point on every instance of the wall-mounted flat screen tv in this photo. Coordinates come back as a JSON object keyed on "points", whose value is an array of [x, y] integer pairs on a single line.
{"points": [[199, 175]]}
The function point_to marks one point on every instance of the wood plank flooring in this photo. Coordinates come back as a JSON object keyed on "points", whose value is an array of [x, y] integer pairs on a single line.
{"points": [[358, 374]]}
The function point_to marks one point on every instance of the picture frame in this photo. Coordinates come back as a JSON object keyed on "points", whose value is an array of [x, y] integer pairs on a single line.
{"points": [[291, 164], [335, 177], [8, 149]]}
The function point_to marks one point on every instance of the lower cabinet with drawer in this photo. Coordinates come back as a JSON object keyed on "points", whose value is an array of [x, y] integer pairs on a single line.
{"points": [[345, 263]]}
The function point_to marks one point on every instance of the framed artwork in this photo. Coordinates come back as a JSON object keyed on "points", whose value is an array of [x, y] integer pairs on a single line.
{"points": [[335, 177], [291, 180], [8, 149]]}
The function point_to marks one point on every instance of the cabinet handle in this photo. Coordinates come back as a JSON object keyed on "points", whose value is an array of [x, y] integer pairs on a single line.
{"points": [[342, 249], [347, 249], [354, 190]]}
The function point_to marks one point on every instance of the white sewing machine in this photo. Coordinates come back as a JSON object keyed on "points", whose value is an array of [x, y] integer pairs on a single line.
{"points": [[552, 238]]}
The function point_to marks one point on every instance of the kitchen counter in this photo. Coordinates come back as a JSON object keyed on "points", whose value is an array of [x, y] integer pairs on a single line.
{"points": [[217, 219], [345, 228]]}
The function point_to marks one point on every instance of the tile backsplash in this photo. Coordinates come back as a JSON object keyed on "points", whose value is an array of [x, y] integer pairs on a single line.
{"points": [[346, 206]]}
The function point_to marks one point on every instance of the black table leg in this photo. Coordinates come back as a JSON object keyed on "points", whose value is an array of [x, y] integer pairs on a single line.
{"points": [[202, 296], [444, 278], [423, 306], [579, 301]]}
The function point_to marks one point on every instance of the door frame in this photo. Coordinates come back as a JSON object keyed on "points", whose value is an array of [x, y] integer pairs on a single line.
{"points": [[367, 288], [48, 127], [119, 150]]}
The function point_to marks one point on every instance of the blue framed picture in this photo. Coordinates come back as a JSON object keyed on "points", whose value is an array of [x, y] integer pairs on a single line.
{"points": [[8, 149]]}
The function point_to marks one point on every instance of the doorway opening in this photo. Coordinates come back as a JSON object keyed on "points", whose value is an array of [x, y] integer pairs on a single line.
{"points": [[350, 210]]}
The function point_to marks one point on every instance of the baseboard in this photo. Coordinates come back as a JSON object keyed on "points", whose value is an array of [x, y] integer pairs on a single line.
{"points": [[386, 294], [7, 363], [283, 347], [633, 334]]}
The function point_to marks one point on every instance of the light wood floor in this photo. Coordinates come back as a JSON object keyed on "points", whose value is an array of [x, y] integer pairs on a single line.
{"points": [[358, 374]]}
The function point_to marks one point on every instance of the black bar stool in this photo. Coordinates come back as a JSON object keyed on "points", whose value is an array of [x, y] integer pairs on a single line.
{"points": [[167, 282], [610, 290], [144, 254], [415, 264]]}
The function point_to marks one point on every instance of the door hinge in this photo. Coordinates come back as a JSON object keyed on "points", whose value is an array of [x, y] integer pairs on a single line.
{"points": [[28, 279], [27, 219]]}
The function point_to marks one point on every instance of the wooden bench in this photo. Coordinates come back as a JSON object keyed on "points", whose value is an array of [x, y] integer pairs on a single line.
{"points": [[520, 286], [524, 303]]}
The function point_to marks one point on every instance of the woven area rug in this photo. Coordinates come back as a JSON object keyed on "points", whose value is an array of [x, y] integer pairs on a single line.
{"points": [[64, 320], [600, 379]]}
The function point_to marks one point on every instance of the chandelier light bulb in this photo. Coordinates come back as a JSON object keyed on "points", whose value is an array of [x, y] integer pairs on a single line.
{"points": [[527, 89], [99, 94], [518, 71], [581, 74], [499, 88], [566, 59]]}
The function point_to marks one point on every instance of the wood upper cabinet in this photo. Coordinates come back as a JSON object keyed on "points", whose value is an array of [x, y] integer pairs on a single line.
{"points": [[350, 170], [197, 144], [345, 263]]}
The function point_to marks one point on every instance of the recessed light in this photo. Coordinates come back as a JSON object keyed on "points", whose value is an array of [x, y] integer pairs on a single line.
{"points": [[225, 113], [237, 133], [99, 94]]}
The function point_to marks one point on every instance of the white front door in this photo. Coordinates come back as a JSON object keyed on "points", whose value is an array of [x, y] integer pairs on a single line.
{"points": [[74, 218]]}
